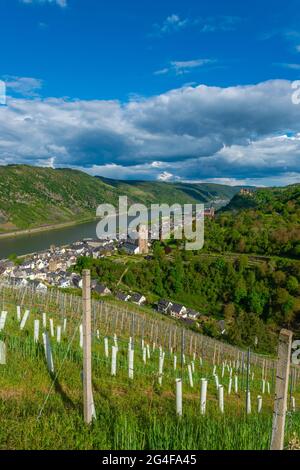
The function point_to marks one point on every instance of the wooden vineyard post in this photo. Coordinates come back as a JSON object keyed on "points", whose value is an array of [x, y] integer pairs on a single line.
{"points": [[87, 357], [281, 389]]}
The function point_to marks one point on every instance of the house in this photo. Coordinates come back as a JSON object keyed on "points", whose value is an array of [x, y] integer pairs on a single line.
{"points": [[164, 306], [26, 265], [221, 326], [138, 299], [78, 248], [101, 289], [75, 244], [95, 253], [94, 282], [51, 278], [77, 281], [106, 250], [40, 265], [192, 314], [210, 213], [177, 310], [30, 274], [123, 297], [72, 260], [130, 248], [53, 265], [42, 275], [18, 273], [64, 283], [62, 265], [93, 243], [19, 282], [9, 267], [39, 286]]}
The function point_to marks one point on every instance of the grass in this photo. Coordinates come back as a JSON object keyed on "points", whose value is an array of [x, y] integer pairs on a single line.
{"points": [[138, 414]]}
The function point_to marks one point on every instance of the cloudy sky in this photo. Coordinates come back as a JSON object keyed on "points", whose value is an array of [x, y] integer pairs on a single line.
{"points": [[170, 90]]}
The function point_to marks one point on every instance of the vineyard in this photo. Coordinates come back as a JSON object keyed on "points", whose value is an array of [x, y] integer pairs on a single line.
{"points": [[155, 384]]}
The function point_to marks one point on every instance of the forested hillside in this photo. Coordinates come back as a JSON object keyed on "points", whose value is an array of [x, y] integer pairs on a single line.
{"points": [[33, 197], [248, 272], [267, 222], [170, 193], [254, 299]]}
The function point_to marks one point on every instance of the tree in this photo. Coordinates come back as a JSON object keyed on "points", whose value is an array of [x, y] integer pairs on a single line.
{"points": [[279, 278], [257, 301], [158, 251], [13, 257], [247, 328], [240, 291], [229, 312], [292, 285]]}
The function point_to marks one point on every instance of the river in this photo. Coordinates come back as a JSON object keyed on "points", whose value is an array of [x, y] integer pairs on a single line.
{"points": [[40, 241], [31, 243]]}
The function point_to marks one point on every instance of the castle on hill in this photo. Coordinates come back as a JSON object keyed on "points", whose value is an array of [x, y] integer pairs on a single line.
{"points": [[247, 192]]}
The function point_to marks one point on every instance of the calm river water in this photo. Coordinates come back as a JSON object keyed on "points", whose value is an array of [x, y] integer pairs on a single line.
{"points": [[24, 244], [35, 242]]}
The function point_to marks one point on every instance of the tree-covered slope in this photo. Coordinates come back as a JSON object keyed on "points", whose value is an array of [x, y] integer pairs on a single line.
{"points": [[266, 222], [33, 197], [159, 192], [282, 201]]}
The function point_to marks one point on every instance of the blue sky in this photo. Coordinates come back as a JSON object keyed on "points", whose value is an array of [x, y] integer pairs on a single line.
{"points": [[169, 90]]}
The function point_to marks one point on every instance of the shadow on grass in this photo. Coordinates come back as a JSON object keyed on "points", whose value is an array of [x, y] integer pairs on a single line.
{"points": [[67, 401]]}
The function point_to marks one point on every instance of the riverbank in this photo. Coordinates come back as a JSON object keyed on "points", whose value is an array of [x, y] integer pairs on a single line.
{"points": [[46, 228]]}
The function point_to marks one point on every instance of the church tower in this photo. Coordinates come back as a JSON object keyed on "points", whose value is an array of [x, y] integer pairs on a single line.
{"points": [[143, 239]]}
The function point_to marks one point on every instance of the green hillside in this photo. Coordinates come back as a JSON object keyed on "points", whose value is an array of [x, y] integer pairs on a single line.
{"points": [[159, 192], [136, 406], [266, 223], [32, 197], [282, 201]]}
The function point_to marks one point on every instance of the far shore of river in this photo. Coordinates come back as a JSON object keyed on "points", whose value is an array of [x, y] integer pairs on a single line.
{"points": [[45, 228]]}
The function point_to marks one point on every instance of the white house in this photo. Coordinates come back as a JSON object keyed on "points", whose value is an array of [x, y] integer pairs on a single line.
{"points": [[65, 283], [138, 299], [178, 310], [131, 249], [123, 297]]}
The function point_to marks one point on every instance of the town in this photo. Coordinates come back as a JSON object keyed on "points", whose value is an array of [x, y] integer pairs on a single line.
{"points": [[52, 268]]}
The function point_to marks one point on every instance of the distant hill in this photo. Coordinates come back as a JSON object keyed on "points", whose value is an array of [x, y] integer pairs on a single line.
{"points": [[159, 192], [269, 200], [32, 197], [266, 222]]}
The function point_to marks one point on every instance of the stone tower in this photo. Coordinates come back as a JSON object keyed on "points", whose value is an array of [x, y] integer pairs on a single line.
{"points": [[143, 239]]}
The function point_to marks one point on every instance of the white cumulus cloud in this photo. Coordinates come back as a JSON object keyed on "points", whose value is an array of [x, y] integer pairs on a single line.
{"points": [[192, 133], [61, 3]]}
